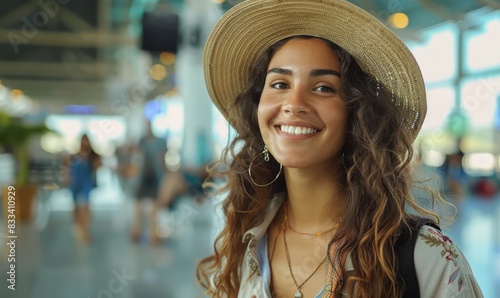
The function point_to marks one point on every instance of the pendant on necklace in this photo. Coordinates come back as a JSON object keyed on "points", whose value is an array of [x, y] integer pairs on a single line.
{"points": [[298, 294]]}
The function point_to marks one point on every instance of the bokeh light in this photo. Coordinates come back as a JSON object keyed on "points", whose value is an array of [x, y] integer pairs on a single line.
{"points": [[399, 20]]}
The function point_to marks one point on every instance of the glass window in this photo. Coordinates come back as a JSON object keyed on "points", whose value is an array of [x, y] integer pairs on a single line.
{"points": [[434, 134], [169, 122], [479, 100], [436, 53], [482, 44], [440, 102]]}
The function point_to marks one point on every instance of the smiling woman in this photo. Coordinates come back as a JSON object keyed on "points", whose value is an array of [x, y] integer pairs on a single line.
{"points": [[318, 177]]}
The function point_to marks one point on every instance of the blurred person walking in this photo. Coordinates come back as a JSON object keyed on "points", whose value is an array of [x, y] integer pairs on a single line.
{"points": [[152, 170], [129, 160], [83, 166], [455, 177], [187, 181], [456, 180]]}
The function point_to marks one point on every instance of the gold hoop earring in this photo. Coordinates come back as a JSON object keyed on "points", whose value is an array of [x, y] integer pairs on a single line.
{"points": [[266, 158]]}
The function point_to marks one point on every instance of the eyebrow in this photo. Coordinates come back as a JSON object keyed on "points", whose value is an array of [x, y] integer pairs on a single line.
{"points": [[322, 72], [280, 70], [314, 72]]}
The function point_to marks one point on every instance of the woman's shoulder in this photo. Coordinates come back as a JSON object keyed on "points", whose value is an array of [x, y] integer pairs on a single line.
{"points": [[442, 269], [433, 243]]}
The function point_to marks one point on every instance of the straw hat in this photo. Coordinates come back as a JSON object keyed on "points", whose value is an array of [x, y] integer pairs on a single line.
{"points": [[249, 28]]}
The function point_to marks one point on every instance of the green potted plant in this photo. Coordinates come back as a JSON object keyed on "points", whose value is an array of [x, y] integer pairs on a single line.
{"points": [[14, 138]]}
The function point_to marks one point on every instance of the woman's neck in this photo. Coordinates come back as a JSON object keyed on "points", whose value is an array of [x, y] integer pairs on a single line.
{"points": [[315, 201]]}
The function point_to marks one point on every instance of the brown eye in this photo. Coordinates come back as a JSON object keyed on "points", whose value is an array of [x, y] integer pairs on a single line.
{"points": [[325, 89], [279, 85]]}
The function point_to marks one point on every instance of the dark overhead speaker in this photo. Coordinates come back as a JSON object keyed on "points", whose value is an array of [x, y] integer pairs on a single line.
{"points": [[160, 31]]}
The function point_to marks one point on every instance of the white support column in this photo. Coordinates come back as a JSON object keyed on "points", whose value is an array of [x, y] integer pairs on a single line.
{"points": [[196, 22]]}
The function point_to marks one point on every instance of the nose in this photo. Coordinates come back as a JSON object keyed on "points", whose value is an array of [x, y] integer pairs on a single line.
{"points": [[296, 102]]}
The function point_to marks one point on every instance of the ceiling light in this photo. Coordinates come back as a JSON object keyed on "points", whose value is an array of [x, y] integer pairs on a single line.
{"points": [[399, 20]]}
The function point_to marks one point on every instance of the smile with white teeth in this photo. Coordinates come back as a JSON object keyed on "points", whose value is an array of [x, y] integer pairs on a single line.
{"points": [[295, 130]]}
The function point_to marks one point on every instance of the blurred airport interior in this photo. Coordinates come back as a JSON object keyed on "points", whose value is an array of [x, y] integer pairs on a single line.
{"points": [[112, 69]]}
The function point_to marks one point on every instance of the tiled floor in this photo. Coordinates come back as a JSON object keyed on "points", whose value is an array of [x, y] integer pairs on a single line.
{"points": [[477, 233], [51, 264]]}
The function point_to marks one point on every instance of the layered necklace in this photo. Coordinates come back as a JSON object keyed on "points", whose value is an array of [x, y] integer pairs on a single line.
{"points": [[284, 225], [298, 293]]}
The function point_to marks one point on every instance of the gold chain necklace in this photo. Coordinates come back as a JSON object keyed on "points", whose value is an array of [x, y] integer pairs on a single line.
{"points": [[298, 293], [305, 233], [310, 234]]}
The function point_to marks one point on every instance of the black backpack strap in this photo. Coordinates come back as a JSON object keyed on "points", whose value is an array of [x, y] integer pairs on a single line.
{"points": [[405, 252]]}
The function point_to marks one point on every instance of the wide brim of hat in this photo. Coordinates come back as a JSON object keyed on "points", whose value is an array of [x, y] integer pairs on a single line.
{"points": [[249, 28]]}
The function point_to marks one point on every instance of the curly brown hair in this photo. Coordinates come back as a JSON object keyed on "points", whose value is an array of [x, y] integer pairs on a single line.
{"points": [[377, 157]]}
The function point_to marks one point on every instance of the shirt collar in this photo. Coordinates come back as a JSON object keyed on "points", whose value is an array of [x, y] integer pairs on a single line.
{"points": [[272, 209]]}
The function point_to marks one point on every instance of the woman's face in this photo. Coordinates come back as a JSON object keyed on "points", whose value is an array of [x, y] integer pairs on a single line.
{"points": [[301, 116]]}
